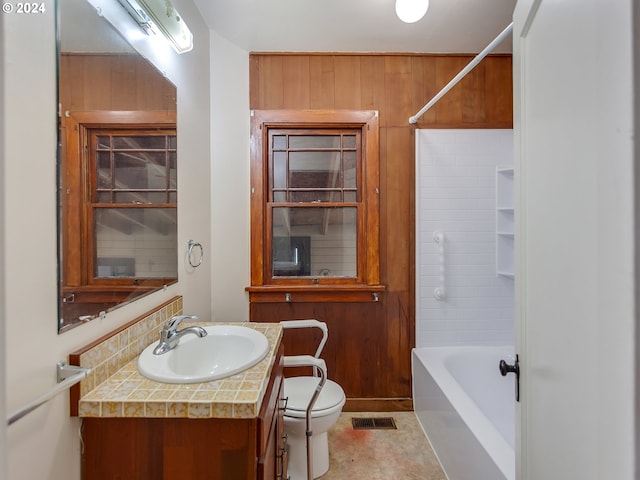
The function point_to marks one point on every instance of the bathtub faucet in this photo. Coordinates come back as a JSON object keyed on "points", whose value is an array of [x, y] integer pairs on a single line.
{"points": [[169, 335]]}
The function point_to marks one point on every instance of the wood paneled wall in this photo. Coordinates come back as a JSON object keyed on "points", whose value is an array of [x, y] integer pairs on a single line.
{"points": [[369, 346], [118, 82]]}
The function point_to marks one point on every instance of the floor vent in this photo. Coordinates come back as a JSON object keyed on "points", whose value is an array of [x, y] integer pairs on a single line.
{"points": [[370, 423]]}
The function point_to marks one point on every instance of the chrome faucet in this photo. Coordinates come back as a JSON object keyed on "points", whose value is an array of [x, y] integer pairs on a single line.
{"points": [[169, 335]]}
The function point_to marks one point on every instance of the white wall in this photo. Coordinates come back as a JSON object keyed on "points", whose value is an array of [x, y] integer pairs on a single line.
{"points": [[29, 234], [3, 439], [456, 195], [230, 173]]}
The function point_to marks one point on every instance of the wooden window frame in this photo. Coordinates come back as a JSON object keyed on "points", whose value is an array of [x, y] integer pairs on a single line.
{"points": [[76, 231], [366, 285]]}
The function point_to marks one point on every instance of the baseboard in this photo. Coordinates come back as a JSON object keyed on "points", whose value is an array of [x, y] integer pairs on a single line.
{"points": [[378, 405]]}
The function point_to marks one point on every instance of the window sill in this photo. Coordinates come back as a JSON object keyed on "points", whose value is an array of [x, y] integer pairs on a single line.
{"points": [[315, 293]]}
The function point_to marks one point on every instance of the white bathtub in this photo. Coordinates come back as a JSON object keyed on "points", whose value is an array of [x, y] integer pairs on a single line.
{"points": [[466, 409]]}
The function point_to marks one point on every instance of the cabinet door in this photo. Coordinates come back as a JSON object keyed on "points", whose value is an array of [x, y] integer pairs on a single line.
{"points": [[273, 464], [267, 464], [282, 453]]}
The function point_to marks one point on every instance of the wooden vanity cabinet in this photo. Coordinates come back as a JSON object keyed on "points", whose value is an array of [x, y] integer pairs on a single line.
{"points": [[190, 449], [272, 442], [272, 464]]}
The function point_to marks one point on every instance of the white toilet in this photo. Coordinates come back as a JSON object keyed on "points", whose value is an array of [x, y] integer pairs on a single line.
{"points": [[324, 414]]}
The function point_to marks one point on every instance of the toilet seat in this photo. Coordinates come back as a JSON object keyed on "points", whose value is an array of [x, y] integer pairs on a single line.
{"points": [[299, 390]]}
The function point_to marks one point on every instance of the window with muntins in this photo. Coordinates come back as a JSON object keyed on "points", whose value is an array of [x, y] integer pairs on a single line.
{"points": [[314, 202], [315, 199], [133, 203]]}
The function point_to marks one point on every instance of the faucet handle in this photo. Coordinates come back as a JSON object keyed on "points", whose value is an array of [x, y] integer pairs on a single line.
{"points": [[173, 322]]}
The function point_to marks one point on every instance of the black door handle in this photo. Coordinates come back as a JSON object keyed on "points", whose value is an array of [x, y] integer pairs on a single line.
{"points": [[515, 368]]}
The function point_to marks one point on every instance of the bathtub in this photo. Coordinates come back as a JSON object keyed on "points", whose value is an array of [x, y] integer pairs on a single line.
{"points": [[466, 409]]}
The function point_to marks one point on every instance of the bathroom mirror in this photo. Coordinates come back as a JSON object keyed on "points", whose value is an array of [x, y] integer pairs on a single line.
{"points": [[117, 169]]}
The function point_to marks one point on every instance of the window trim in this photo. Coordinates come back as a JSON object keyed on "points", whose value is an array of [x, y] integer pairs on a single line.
{"points": [[368, 276], [76, 225]]}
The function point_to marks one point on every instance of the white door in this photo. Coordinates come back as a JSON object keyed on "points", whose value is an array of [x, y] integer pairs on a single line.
{"points": [[575, 258]]}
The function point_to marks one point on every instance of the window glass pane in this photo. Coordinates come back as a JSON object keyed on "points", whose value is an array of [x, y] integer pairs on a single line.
{"points": [[279, 142], [156, 171], [279, 169], [138, 170], [314, 141], [136, 242], [173, 142], [142, 142], [129, 197], [314, 169], [315, 196], [104, 197], [173, 197], [350, 162], [142, 197], [349, 141], [157, 197], [279, 197], [103, 160], [350, 196], [314, 242], [173, 170], [104, 141]]}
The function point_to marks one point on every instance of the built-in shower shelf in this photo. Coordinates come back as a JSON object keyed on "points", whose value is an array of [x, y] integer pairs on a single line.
{"points": [[505, 222], [506, 274]]}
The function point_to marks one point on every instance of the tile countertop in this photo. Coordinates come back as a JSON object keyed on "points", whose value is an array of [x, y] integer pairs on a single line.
{"points": [[127, 393]]}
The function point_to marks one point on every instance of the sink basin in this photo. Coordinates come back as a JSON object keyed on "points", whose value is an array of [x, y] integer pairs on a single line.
{"points": [[225, 351]]}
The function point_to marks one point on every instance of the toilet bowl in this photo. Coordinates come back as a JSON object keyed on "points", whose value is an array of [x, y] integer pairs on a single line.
{"points": [[324, 415]]}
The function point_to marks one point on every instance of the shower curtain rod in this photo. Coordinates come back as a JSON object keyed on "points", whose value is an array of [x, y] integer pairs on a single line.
{"points": [[464, 72]]}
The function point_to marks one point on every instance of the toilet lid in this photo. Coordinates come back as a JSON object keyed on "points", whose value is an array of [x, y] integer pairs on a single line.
{"points": [[300, 389]]}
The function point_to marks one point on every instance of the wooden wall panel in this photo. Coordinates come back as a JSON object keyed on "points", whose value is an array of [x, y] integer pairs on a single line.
{"points": [[296, 76], [396, 207], [369, 346], [397, 82], [322, 80], [354, 352], [348, 87], [113, 82], [373, 82], [499, 105], [473, 100], [424, 85], [449, 108]]}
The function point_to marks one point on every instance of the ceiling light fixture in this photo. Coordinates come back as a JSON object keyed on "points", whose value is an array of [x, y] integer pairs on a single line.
{"points": [[410, 11], [161, 16]]}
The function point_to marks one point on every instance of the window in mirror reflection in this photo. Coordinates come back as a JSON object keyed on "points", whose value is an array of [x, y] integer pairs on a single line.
{"points": [[132, 203], [120, 209]]}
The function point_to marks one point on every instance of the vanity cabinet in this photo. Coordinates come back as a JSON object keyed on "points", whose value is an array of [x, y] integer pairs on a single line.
{"points": [[190, 448]]}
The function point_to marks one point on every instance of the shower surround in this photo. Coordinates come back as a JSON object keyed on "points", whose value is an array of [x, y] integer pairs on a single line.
{"points": [[456, 196]]}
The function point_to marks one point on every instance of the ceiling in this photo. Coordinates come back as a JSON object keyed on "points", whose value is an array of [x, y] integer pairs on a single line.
{"points": [[450, 26]]}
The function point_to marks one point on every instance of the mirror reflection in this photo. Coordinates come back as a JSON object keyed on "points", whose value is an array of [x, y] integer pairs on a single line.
{"points": [[117, 169]]}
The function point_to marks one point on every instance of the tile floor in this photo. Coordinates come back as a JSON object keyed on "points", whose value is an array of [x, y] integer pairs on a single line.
{"points": [[404, 453]]}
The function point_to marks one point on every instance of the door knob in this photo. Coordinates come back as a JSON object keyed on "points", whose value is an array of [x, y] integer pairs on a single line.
{"points": [[515, 368], [506, 368]]}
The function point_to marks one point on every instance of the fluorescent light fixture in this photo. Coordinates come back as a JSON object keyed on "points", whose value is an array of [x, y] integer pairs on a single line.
{"points": [[161, 16], [410, 11]]}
